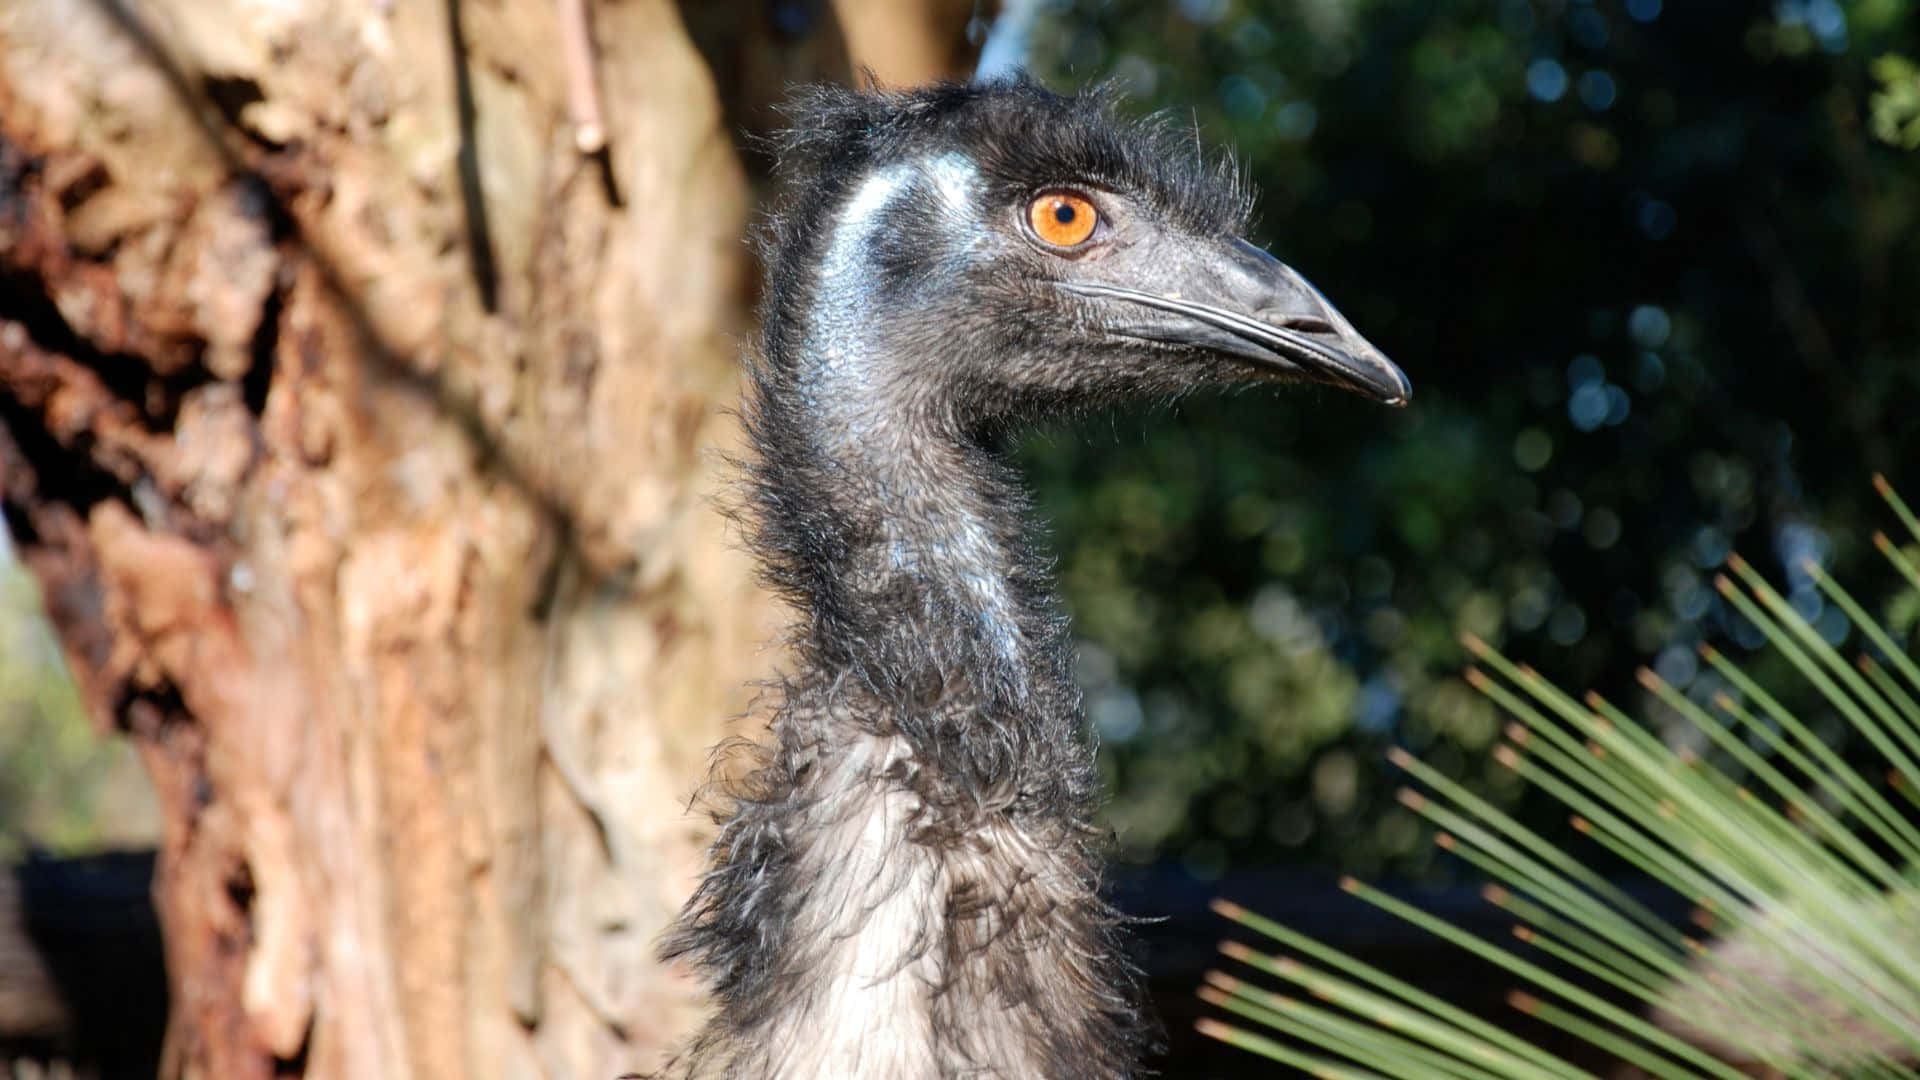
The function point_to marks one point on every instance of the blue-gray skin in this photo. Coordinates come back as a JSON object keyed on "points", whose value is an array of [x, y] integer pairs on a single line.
{"points": [[908, 884]]}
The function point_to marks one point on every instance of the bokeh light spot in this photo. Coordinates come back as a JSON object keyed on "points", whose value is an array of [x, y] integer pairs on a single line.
{"points": [[1602, 528], [1649, 326], [1568, 625], [1546, 80], [1336, 782], [1653, 217], [1117, 714], [1295, 121], [1528, 608], [1204, 12], [1585, 370], [1619, 406], [1677, 665], [1252, 37], [1242, 97], [1136, 75], [1532, 449], [1649, 372], [1587, 406]]}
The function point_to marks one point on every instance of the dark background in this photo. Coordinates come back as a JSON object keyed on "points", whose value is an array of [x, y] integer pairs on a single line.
{"points": [[1651, 271]]}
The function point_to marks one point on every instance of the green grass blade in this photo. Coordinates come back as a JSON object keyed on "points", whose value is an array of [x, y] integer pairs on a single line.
{"points": [[1899, 505]]}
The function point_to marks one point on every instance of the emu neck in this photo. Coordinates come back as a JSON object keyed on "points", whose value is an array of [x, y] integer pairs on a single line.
{"points": [[923, 578], [908, 886], [924, 606], [900, 530], [928, 549], [923, 816]]}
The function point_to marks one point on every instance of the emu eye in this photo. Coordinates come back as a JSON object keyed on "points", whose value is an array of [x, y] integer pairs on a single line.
{"points": [[1063, 219]]}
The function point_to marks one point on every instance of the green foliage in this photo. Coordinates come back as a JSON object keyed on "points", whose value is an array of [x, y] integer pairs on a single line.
{"points": [[1644, 263], [1896, 104], [1802, 866], [63, 787]]}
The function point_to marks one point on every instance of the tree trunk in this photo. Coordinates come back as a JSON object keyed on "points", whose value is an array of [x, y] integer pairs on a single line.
{"points": [[360, 432], [907, 44], [363, 434]]}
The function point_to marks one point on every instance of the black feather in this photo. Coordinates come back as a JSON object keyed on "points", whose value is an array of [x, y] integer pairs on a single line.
{"points": [[931, 694]]}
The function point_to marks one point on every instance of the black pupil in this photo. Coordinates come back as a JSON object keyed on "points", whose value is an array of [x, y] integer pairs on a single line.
{"points": [[1063, 213]]}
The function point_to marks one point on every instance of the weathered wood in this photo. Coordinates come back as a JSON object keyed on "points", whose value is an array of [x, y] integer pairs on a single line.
{"points": [[362, 435], [909, 44]]}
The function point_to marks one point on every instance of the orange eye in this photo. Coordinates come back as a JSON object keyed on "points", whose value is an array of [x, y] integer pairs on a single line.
{"points": [[1062, 218]]}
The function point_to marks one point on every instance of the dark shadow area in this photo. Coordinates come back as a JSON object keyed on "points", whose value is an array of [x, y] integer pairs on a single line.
{"points": [[91, 924], [1179, 938], [473, 198], [758, 61], [1634, 258]]}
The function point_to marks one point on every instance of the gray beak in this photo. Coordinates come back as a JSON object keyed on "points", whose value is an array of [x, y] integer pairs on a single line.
{"points": [[1251, 305]]}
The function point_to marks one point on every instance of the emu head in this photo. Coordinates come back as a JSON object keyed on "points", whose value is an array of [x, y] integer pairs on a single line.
{"points": [[980, 253]]}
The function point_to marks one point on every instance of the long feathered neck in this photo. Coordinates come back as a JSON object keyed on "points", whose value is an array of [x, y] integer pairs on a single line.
{"points": [[902, 543], [908, 886]]}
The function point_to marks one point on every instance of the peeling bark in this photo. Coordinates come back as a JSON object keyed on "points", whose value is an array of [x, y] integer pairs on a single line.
{"points": [[363, 435], [361, 441]]}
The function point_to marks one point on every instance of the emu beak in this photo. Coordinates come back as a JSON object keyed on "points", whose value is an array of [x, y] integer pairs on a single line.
{"points": [[1251, 305]]}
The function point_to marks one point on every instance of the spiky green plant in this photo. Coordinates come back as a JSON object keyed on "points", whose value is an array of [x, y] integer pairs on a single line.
{"points": [[1808, 880]]}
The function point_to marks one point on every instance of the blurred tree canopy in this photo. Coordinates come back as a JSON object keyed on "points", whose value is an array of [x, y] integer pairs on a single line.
{"points": [[1650, 268], [62, 787]]}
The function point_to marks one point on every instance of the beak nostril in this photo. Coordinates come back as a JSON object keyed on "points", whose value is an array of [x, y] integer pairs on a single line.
{"points": [[1306, 324]]}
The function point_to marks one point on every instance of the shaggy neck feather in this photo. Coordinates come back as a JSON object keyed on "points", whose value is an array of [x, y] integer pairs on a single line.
{"points": [[908, 886]]}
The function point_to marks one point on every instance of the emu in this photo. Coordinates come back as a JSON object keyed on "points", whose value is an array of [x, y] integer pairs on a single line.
{"points": [[907, 885]]}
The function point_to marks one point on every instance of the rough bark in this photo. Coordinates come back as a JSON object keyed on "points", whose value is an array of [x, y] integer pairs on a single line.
{"points": [[364, 437], [361, 433], [908, 44]]}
